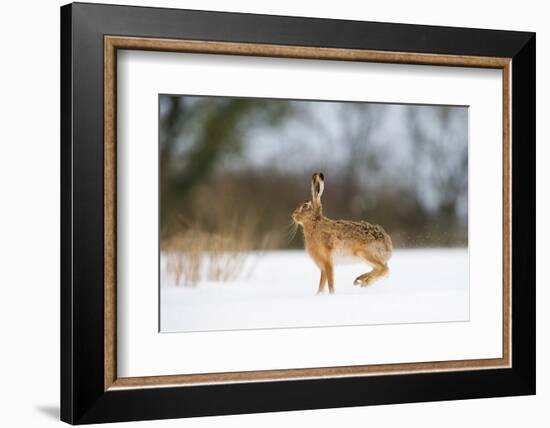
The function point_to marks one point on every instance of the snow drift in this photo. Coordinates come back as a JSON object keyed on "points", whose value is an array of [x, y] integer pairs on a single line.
{"points": [[277, 289]]}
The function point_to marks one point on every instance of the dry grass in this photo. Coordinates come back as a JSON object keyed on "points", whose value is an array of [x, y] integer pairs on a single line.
{"points": [[193, 254]]}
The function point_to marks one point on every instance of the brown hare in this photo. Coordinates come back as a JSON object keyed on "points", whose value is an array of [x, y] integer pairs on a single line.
{"points": [[326, 238]]}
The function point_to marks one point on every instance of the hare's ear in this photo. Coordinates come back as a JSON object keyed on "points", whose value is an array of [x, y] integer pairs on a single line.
{"points": [[317, 187]]}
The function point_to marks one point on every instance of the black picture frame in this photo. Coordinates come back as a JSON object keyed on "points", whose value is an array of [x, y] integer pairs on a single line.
{"points": [[83, 398]]}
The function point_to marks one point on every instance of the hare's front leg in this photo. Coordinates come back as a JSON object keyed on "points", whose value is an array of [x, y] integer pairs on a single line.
{"points": [[322, 282], [329, 271], [330, 277], [327, 274]]}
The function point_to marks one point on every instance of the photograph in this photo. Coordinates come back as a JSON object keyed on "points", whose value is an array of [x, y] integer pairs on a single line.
{"points": [[286, 213]]}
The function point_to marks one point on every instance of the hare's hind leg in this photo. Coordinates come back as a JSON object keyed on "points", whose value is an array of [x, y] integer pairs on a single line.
{"points": [[379, 269]]}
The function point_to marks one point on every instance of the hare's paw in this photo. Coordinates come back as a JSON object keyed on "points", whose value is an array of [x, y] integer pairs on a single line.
{"points": [[363, 280]]}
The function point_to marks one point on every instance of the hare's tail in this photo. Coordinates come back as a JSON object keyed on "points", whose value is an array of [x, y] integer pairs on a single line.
{"points": [[387, 248]]}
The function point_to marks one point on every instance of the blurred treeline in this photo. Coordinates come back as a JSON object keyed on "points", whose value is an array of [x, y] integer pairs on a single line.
{"points": [[239, 166]]}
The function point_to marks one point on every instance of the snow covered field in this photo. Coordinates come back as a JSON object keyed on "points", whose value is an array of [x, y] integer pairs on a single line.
{"points": [[278, 290]]}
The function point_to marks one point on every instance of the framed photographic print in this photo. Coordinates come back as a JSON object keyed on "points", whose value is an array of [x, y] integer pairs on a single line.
{"points": [[265, 213]]}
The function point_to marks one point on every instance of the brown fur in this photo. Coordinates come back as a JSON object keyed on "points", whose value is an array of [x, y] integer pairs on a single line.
{"points": [[326, 238]]}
